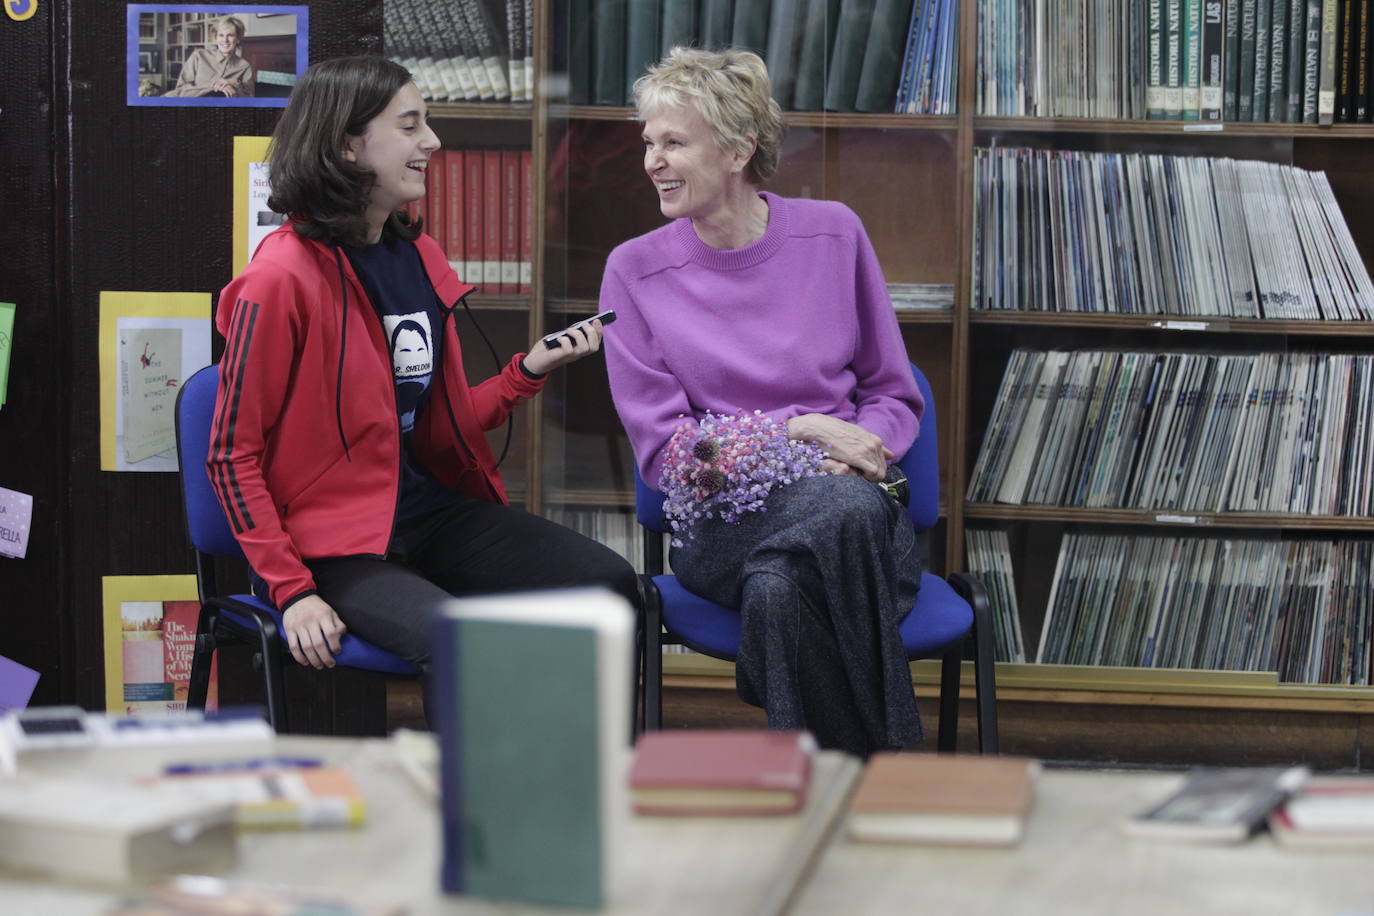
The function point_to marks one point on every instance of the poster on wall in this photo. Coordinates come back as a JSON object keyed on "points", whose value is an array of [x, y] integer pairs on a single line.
{"points": [[149, 343], [227, 56], [253, 219], [150, 637]]}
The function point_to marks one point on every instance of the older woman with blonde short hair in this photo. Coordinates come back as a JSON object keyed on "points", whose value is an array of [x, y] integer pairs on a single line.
{"points": [[750, 301], [218, 70]]}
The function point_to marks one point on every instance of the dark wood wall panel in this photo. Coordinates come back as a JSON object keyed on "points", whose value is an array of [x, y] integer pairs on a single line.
{"points": [[111, 197]]}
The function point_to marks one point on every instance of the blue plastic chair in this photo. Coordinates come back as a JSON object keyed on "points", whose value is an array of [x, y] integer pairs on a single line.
{"points": [[238, 618], [948, 611]]}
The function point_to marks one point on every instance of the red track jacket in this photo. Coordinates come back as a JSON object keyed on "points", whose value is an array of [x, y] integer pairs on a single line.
{"points": [[306, 444]]}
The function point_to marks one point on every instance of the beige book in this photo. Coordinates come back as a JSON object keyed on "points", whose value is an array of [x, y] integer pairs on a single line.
{"points": [[151, 365]]}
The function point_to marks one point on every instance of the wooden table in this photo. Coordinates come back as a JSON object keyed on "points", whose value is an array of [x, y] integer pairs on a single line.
{"points": [[1074, 859], [714, 866]]}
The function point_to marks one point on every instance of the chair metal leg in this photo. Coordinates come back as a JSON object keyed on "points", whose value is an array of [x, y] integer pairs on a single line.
{"points": [[269, 644], [653, 657], [202, 657], [984, 662], [950, 667]]}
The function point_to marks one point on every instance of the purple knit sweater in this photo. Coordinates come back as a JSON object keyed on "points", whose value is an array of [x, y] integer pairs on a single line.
{"points": [[798, 322]]}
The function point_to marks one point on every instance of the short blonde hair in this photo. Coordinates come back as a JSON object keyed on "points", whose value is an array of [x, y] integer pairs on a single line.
{"points": [[730, 90], [235, 21]]}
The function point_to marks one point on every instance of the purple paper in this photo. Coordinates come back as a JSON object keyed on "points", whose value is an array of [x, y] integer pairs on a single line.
{"points": [[16, 511], [16, 684]]}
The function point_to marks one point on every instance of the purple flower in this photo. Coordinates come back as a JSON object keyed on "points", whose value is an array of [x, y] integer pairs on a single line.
{"points": [[727, 465]]}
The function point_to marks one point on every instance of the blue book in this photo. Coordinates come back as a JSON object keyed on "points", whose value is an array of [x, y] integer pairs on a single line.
{"points": [[532, 694]]}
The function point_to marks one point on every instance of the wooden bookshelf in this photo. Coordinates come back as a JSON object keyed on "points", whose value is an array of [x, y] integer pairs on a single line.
{"points": [[911, 180]]}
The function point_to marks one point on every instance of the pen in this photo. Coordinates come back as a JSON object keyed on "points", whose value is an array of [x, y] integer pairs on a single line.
{"points": [[231, 766]]}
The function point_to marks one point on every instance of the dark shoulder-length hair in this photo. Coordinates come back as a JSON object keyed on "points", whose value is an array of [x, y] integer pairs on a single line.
{"points": [[311, 181]]}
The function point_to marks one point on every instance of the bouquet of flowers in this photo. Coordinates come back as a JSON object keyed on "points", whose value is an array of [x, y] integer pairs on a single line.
{"points": [[727, 465]]}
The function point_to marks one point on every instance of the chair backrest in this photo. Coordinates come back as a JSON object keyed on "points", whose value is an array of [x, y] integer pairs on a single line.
{"points": [[205, 521], [921, 464]]}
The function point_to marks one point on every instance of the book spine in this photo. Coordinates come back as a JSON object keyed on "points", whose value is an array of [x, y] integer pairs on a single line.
{"points": [[1173, 59], [1213, 35], [1311, 64], [1259, 96], [526, 220], [510, 221], [436, 204], [608, 52], [456, 212], [679, 22], [642, 28], [515, 50], [1230, 59], [1192, 59], [1156, 106], [847, 59], [1361, 89], [1297, 41], [1278, 62], [528, 20], [490, 42], [1245, 87], [750, 28], [491, 220], [1344, 60], [475, 273], [717, 23], [1326, 83]]}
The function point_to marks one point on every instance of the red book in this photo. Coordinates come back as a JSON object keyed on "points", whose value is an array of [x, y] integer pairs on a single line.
{"points": [[455, 217], [510, 220], [703, 771], [435, 182], [472, 165], [491, 220], [526, 220]]}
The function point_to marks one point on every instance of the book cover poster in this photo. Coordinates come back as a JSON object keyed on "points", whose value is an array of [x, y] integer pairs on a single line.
{"points": [[6, 346], [253, 219], [150, 635], [16, 684], [220, 55], [149, 343], [150, 374], [16, 517]]}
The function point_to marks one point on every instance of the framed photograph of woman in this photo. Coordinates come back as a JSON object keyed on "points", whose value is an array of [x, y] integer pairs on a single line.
{"points": [[226, 56]]}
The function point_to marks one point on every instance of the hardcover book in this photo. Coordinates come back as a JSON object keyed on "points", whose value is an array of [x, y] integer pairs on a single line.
{"points": [[1218, 805], [1334, 812], [532, 777], [937, 798], [707, 771]]}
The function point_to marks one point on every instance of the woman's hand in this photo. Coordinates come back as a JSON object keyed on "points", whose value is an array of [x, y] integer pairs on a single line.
{"points": [[573, 344], [851, 448], [313, 631]]}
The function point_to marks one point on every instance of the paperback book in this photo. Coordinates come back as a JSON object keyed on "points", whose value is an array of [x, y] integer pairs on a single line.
{"points": [[1218, 805], [707, 771]]}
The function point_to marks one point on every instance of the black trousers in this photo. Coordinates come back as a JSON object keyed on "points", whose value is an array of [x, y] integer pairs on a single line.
{"points": [[474, 547], [822, 580]]}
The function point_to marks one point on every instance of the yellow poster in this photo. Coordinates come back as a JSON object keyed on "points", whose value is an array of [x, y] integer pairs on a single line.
{"points": [[149, 343], [252, 218], [150, 637]]}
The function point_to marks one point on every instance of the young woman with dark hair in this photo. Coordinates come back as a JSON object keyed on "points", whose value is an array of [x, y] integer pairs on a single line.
{"points": [[348, 448]]}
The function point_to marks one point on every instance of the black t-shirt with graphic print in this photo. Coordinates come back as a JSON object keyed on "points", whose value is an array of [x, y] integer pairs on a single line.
{"points": [[395, 280]]}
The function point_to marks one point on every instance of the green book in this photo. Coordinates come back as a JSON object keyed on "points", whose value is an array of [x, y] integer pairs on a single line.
{"points": [[642, 32], [1311, 62], [1259, 95], [717, 23], [813, 64], [1245, 88], [6, 346], [679, 24], [1230, 59], [1173, 59], [1213, 47], [1191, 77], [532, 694], [882, 62], [1278, 63], [847, 59], [1297, 40], [751, 26], [608, 52], [572, 48], [1345, 61], [1155, 108], [784, 45]]}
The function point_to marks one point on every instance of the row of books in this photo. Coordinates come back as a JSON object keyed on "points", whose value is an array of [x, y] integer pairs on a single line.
{"points": [[988, 559], [1067, 231], [921, 297], [1294, 61], [832, 55], [1301, 608], [463, 50], [478, 207], [1195, 432]]}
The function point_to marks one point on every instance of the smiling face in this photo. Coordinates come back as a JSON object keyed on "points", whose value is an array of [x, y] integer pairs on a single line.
{"points": [[694, 177], [226, 38], [396, 148]]}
